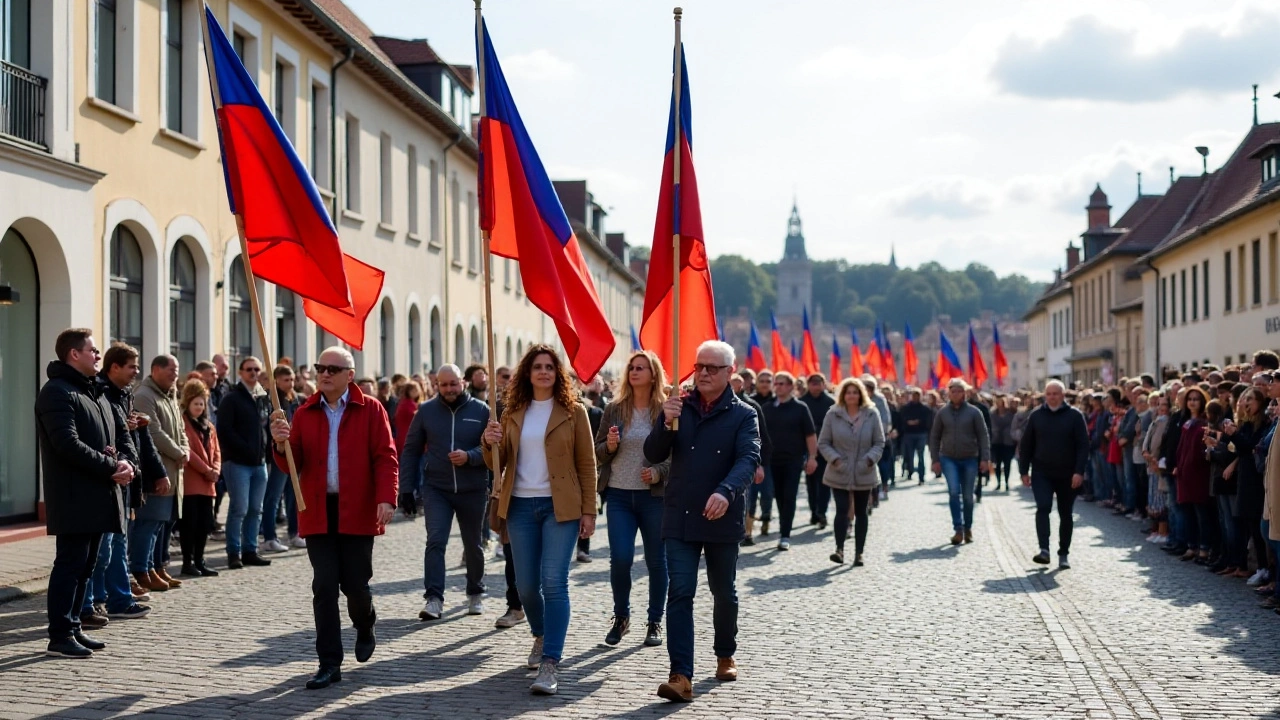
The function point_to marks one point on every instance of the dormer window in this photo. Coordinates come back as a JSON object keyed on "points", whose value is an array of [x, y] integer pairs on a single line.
{"points": [[1269, 156], [1269, 167]]}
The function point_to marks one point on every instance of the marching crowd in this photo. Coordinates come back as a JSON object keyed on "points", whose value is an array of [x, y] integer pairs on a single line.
{"points": [[526, 466]]}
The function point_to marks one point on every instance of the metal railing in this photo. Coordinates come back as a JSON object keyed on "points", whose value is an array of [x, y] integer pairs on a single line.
{"points": [[22, 100]]}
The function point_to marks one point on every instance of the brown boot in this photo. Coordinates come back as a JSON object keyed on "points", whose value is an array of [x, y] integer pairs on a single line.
{"points": [[726, 669], [677, 689], [155, 582], [957, 538], [172, 581], [968, 536]]}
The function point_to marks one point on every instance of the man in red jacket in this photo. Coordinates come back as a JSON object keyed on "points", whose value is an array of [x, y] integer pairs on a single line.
{"points": [[347, 467]]}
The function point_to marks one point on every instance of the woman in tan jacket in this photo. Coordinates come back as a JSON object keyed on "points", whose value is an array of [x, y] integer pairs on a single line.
{"points": [[545, 495], [852, 441], [201, 476]]}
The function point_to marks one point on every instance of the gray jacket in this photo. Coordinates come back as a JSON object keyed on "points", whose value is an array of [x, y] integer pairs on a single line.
{"points": [[442, 429], [615, 414], [858, 449], [959, 433], [167, 428]]}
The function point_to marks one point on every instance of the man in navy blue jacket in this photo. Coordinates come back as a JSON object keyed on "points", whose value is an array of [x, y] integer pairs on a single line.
{"points": [[456, 482], [714, 455]]}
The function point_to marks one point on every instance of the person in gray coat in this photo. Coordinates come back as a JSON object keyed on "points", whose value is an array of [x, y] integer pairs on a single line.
{"points": [[961, 448], [852, 441]]}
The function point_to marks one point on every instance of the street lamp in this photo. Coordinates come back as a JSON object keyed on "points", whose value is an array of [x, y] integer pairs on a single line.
{"points": [[1204, 158], [8, 296]]}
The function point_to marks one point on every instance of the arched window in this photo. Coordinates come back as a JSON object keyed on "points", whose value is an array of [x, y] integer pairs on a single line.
{"points": [[415, 340], [239, 314], [126, 288], [286, 325], [459, 347], [437, 340], [182, 306], [519, 350], [386, 337], [508, 356], [477, 347]]}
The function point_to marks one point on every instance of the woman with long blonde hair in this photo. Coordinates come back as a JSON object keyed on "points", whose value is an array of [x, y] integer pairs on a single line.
{"points": [[632, 488]]}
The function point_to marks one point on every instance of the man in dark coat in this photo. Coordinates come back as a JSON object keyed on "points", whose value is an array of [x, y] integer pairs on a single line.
{"points": [[83, 449]]}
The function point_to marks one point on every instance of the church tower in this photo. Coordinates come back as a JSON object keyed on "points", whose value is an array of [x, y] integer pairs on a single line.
{"points": [[795, 271]]}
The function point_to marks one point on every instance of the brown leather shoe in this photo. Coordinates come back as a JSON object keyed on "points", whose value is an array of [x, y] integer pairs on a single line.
{"points": [[968, 536], [957, 538], [164, 575], [726, 669], [677, 689], [137, 590], [155, 582]]}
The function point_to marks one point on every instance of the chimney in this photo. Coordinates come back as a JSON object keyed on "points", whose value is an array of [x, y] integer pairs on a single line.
{"points": [[640, 267], [1073, 256], [1099, 211]]}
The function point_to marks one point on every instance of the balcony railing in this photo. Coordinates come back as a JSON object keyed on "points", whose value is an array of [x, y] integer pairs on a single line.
{"points": [[22, 99]]}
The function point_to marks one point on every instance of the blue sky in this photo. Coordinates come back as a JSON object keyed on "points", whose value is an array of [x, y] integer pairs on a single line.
{"points": [[956, 131]]}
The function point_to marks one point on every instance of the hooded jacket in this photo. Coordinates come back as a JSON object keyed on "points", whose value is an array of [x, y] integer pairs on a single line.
{"points": [[441, 428]]}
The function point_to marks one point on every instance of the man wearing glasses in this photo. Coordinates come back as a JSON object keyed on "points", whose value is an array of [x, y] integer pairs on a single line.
{"points": [[84, 446], [346, 461], [795, 449], [714, 453], [242, 433]]}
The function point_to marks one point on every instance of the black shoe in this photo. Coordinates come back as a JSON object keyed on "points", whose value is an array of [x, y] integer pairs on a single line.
{"points": [[857, 560], [822, 523], [233, 561], [365, 643], [133, 612], [653, 634], [88, 642], [255, 559], [1174, 549], [189, 570], [325, 677], [206, 571], [747, 542], [93, 620], [621, 626], [67, 648], [1041, 558]]}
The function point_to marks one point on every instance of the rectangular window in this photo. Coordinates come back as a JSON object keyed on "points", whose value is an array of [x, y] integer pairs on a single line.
{"points": [[1108, 319], [1195, 292], [473, 234], [238, 45], [1257, 272], [1240, 281], [1070, 332], [412, 170], [506, 273], [173, 65], [277, 82], [384, 181], [1226, 281], [1182, 283], [105, 57], [433, 197], [1204, 275], [1054, 321], [1273, 269], [320, 135], [353, 164], [455, 213], [1164, 302]]}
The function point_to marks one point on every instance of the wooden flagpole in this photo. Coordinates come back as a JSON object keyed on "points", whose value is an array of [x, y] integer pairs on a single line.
{"points": [[268, 368], [487, 255], [675, 237]]}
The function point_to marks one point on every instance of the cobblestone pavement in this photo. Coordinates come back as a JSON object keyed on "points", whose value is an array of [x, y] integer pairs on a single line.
{"points": [[925, 630]]}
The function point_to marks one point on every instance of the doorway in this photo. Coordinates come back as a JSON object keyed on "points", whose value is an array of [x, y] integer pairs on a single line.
{"points": [[19, 380]]}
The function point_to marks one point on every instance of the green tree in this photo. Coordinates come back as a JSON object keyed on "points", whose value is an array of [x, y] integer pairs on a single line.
{"points": [[739, 283]]}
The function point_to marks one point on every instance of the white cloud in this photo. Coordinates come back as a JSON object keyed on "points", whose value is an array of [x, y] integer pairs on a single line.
{"points": [[539, 65]]}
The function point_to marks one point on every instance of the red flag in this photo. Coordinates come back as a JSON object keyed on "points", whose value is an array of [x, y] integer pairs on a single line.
{"points": [[347, 324], [287, 232], [999, 360], [755, 354], [948, 361], [888, 365], [780, 358], [809, 363], [835, 377], [679, 214], [909, 361], [977, 368], [872, 360], [526, 222], [855, 356]]}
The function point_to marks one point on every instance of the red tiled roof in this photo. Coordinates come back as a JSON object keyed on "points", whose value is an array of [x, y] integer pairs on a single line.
{"points": [[407, 52], [467, 75], [1137, 211]]}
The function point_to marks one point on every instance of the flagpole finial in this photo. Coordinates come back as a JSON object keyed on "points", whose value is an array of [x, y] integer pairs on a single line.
{"points": [[678, 12]]}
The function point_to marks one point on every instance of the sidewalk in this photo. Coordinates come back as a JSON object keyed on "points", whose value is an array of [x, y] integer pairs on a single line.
{"points": [[26, 557]]}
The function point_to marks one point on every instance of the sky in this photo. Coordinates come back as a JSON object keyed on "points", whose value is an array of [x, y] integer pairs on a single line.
{"points": [[955, 132]]}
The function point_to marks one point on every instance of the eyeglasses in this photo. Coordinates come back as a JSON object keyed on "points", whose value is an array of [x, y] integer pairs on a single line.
{"points": [[331, 369], [251, 370], [709, 369]]}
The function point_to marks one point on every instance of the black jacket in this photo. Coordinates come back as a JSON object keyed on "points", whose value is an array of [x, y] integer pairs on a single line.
{"points": [[766, 444], [818, 407], [1055, 443], [242, 426], [147, 462], [917, 419], [76, 426], [441, 428], [713, 453], [791, 426]]}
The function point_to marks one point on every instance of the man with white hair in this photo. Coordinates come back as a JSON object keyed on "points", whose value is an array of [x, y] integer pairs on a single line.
{"points": [[960, 447], [1052, 456], [346, 461], [714, 453]]}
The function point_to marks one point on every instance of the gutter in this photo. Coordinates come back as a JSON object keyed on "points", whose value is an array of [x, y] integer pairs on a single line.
{"points": [[446, 331], [333, 128]]}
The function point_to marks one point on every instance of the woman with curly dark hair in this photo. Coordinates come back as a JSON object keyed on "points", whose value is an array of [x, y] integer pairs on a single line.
{"points": [[545, 497]]}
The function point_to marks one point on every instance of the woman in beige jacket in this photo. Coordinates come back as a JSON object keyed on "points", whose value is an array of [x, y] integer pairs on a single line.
{"points": [[852, 441], [545, 495]]}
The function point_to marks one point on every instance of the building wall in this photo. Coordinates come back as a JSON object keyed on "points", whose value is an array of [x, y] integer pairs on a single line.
{"points": [[1057, 365], [1039, 337]]}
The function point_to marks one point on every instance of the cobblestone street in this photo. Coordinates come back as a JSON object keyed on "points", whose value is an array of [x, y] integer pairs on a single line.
{"points": [[925, 630]]}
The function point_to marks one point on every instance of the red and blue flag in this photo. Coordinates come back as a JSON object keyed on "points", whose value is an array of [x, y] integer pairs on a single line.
{"points": [[948, 362], [679, 215], [809, 363], [910, 364], [635, 340], [794, 357], [521, 212], [834, 375], [780, 358], [755, 353], [933, 379], [873, 362], [977, 368], [855, 356], [887, 364], [998, 359]]}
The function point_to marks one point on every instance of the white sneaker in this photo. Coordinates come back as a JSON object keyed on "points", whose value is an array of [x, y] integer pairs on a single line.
{"points": [[1063, 564], [546, 683], [883, 495], [584, 557], [475, 604], [298, 541], [498, 553], [274, 545], [1259, 578], [432, 610], [535, 655], [784, 544], [511, 619]]}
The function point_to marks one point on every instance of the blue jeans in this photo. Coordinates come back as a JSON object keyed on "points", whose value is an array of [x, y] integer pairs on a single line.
{"points": [[1228, 537], [149, 522], [290, 508], [110, 582], [543, 548], [246, 484], [629, 511], [1177, 534], [762, 492], [277, 480], [1130, 476], [961, 474], [722, 575], [913, 446], [1101, 474], [1275, 550], [887, 466], [439, 507]]}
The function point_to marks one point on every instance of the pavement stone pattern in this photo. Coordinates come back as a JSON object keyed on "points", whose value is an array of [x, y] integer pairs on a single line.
{"points": [[925, 630]]}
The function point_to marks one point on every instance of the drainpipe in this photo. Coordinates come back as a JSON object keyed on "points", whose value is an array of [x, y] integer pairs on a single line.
{"points": [[446, 332], [333, 128], [1159, 307]]}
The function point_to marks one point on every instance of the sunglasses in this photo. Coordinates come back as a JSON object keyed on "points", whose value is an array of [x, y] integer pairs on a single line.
{"points": [[709, 369], [330, 369], [251, 370]]}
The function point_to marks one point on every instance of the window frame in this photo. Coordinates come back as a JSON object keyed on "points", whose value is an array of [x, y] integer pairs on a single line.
{"points": [[319, 129], [182, 296], [121, 286], [285, 66], [351, 162]]}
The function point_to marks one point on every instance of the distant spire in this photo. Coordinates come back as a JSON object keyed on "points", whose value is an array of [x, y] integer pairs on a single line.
{"points": [[1255, 103], [1170, 175], [794, 248], [893, 259], [1139, 183]]}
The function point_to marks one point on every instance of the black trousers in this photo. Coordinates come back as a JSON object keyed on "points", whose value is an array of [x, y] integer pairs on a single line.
{"points": [[513, 594], [339, 562], [77, 553], [197, 523], [861, 520], [819, 494], [786, 488], [1045, 489]]}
